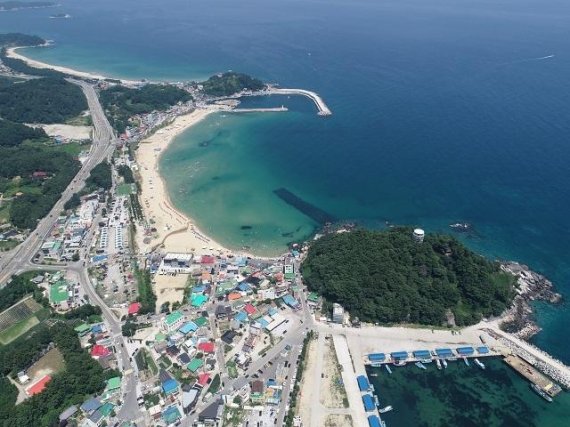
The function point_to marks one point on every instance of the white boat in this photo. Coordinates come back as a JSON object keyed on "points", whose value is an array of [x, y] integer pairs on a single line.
{"points": [[426, 360], [479, 363], [400, 363], [373, 375], [444, 363], [385, 409], [438, 363], [388, 368], [466, 361], [420, 365]]}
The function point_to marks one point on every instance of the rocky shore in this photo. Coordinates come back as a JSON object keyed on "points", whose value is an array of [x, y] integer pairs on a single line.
{"points": [[519, 319]]}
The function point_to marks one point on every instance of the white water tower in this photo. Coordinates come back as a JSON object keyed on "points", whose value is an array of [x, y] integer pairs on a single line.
{"points": [[419, 235]]}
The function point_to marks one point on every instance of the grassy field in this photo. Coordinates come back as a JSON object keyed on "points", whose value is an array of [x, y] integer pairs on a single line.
{"points": [[72, 148], [232, 369], [126, 189], [17, 329], [6, 245]]}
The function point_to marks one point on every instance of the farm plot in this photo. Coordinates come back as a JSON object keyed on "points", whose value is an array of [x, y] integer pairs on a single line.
{"points": [[18, 319]]}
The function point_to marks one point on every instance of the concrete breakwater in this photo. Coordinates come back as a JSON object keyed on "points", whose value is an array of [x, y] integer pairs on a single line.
{"points": [[324, 110], [538, 358]]}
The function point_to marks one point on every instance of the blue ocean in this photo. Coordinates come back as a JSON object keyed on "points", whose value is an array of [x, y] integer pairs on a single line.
{"points": [[443, 111]]}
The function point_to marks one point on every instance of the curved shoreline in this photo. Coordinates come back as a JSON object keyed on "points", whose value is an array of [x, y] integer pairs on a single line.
{"points": [[11, 53]]}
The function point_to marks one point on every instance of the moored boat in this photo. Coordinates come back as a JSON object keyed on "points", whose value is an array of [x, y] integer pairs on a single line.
{"points": [[388, 368], [479, 363], [438, 363], [466, 361], [541, 392], [385, 409], [444, 362], [420, 365]]}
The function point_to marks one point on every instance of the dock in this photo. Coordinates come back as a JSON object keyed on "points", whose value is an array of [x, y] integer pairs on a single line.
{"points": [[533, 375], [260, 110], [322, 107]]}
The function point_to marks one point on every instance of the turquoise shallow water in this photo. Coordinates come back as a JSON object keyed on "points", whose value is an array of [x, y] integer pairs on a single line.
{"points": [[444, 111]]}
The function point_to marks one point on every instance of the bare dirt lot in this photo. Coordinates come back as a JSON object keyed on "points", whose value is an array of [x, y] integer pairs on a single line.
{"points": [[333, 394], [51, 363], [338, 420], [307, 384]]}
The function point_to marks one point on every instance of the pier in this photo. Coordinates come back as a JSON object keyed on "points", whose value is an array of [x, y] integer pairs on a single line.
{"points": [[533, 375], [324, 110], [260, 110]]}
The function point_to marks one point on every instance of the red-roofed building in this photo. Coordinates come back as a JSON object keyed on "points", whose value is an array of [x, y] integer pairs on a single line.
{"points": [[206, 347], [232, 296], [100, 351], [207, 259], [279, 276], [134, 308], [38, 387], [249, 309], [203, 379]]}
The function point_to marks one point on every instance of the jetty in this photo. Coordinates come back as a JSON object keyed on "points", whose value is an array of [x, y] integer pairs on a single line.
{"points": [[533, 375], [260, 110], [324, 110]]}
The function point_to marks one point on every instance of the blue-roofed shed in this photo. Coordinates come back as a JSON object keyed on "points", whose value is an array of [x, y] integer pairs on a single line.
{"points": [[465, 351], [188, 327], [422, 354], [170, 415], [399, 355], [483, 350], [263, 322], [272, 311], [96, 329], [368, 402], [241, 316], [443, 352], [170, 386], [363, 383], [91, 405], [376, 357], [374, 421]]}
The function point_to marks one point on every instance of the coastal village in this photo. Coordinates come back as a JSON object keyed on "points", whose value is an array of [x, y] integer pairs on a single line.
{"points": [[192, 333]]}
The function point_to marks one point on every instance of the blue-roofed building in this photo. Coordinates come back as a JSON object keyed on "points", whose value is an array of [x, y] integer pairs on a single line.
{"points": [[199, 289], [91, 405], [262, 322], [368, 402], [290, 301], [170, 386], [483, 350], [465, 351], [244, 287], [374, 421], [376, 357], [97, 329], [171, 414], [241, 316], [422, 354], [272, 311], [363, 383], [399, 355], [443, 352], [240, 261], [188, 327]]}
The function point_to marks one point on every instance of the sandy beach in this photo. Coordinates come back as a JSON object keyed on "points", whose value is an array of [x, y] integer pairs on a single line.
{"points": [[11, 53]]}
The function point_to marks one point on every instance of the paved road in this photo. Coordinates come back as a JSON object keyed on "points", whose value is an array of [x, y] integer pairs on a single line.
{"points": [[19, 259]]}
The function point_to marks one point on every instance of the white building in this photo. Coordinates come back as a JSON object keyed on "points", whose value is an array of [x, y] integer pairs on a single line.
{"points": [[419, 235], [338, 313]]}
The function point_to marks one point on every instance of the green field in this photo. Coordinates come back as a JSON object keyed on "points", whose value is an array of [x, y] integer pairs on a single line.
{"points": [[126, 189], [17, 329], [73, 148]]}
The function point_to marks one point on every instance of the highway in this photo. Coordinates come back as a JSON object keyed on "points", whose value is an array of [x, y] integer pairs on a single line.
{"points": [[20, 259]]}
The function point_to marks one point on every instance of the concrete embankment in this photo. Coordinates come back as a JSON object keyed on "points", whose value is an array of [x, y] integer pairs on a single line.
{"points": [[324, 110]]}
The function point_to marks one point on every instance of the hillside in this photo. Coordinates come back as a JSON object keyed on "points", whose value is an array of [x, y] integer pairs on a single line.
{"points": [[227, 84], [387, 277]]}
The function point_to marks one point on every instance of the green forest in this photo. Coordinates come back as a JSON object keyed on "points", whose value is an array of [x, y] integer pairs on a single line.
{"points": [[227, 84], [120, 103], [15, 133], [387, 277], [46, 100], [19, 39]]}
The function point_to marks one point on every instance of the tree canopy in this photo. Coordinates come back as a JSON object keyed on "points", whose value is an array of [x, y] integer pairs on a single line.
{"points": [[227, 84], [387, 277], [15, 133], [45, 100], [100, 177], [19, 39]]}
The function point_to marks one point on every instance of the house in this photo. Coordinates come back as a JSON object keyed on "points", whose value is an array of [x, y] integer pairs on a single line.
{"points": [[338, 313], [313, 299], [189, 398], [170, 415], [90, 406], [195, 364], [249, 309], [291, 302], [134, 308], [68, 413], [212, 414], [207, 260], [113, 384], [228, 337], [223, 311], [170, 386], [173, 321], [257, 392], [188, 327], [176, 263], [207, 347], [98, 351]]}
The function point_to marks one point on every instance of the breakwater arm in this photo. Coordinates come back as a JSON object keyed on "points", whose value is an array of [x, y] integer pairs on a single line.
{"points": [[324, 110]]}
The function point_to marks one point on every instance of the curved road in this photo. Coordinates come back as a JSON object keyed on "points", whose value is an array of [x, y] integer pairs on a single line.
{"points": [[19, 259]]}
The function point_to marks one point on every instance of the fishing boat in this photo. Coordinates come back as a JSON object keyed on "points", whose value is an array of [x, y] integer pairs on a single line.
{"points": [[385, 409], [452, 359], [427, 360], [541, 393], [444, 362], [373, 375], [376, 401], [479, 363], [466, 361], [388, 368], [400, 363], [438, 363], [420, 365]]}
